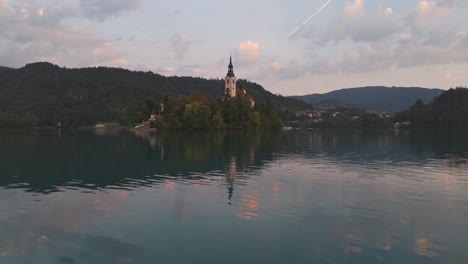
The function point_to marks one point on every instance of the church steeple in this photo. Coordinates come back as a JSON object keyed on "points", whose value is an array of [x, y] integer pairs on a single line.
{"points": [[231, 68], [231, 81]]}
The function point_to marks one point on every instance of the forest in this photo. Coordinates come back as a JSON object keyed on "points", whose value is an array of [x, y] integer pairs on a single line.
{"points": [[448, 110], [43, 94]]}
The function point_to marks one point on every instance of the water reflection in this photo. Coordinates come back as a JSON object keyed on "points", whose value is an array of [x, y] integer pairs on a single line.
{"points": [[319, 196], [95, 160], [231, 173], [249, 206], [59, 229]]}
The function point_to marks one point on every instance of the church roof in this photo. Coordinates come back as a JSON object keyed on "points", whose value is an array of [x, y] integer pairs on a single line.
{"points": [[243, 93]]}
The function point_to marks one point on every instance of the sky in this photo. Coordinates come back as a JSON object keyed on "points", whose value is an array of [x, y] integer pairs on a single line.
{"points": [[290, 47]]}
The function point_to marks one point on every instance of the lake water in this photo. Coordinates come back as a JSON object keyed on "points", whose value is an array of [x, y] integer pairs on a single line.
{"points": [[233, 197]]}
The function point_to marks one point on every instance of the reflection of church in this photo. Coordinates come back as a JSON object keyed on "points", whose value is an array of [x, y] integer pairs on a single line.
{"points": [[231, 174], [231, 90]]}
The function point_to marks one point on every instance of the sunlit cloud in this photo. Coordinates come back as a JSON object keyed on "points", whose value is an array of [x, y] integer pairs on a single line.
{"points": [[248, 52]]}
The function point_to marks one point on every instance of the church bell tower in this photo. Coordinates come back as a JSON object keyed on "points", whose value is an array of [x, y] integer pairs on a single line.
{"points": [[231, 80]]}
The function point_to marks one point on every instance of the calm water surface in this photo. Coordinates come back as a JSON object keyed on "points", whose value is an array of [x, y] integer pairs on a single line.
{"points": [[232, 197]]}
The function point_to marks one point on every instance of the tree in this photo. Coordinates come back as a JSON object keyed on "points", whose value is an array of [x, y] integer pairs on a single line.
{"points": [[448, 110]]}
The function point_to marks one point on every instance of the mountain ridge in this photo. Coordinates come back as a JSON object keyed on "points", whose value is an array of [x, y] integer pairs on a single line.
{"points": [[375, 98]]}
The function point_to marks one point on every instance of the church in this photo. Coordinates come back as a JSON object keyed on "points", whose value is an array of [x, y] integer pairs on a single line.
{"points": [[231, 90]]}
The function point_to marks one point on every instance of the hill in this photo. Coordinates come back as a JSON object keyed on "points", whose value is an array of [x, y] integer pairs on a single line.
{"points": [[80, 97], [448, 110], [375, 99]]}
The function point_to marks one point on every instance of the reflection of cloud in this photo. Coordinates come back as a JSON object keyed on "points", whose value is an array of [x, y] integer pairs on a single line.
{"points": [[426, 247], [249, 206], [5, 249], [181, 209], [169, 185], [107, 203], [51, 223], [3, 210], [353, 243], [422, 246], [276, 187]]}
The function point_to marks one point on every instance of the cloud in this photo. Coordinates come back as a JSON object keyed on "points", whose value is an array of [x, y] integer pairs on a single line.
{"points": [[119, 62], [387, 40], [278, 71], [440, 47], [32, 32], [106, 52], [316, 13], [175, 13], [389, 11], [180, 45], [202, 72], [357, 26], [427, 12], [186, 70], [276, 66], [248, 52], [355, 8], [366, 57], [102, 9], [167, 71]]}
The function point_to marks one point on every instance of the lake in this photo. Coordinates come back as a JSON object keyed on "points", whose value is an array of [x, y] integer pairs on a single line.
{"points": [[326, 196]]}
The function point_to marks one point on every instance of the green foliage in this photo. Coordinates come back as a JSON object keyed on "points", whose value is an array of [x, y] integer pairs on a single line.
{"points": [[84, 97], [196, 112], [139, 117], [449, 110], [17, 120], [148, 107]]}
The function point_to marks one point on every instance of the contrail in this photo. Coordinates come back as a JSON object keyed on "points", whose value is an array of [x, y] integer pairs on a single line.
{"points": [[135, 30], [309, 18]]}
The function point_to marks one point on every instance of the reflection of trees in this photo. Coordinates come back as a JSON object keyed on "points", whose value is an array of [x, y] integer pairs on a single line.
{"points": [[353, 216], [83, 159], [86, 160]]}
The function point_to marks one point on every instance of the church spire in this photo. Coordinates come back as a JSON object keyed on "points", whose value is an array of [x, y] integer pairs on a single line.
{"points": [[230, 67], [230, 80]]}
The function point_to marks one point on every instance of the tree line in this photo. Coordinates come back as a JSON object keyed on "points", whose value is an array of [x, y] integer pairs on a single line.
{"points": [[448, 110], [196, 112], [84, 97]]}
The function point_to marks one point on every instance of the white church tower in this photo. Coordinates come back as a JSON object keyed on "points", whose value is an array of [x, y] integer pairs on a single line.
{"points": [[231, 81]]}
